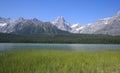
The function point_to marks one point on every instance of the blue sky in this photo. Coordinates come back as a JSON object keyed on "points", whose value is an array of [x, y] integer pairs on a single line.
{"points": [[74, 11]]}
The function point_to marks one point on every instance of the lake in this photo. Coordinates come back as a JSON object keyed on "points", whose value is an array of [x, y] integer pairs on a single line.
{"points": [[76, 47]]}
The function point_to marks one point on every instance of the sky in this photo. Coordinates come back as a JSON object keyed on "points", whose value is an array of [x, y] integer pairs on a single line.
{"points": [[74, 11]]}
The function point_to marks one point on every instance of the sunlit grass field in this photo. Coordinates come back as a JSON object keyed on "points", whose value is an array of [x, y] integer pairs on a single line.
{"points": [[59, 61]]}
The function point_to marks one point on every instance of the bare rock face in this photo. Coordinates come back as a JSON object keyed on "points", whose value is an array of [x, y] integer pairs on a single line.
{"points": [[60, 23]]}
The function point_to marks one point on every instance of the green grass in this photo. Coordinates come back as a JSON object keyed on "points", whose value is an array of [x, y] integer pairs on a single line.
{"points": [[54, 61]]}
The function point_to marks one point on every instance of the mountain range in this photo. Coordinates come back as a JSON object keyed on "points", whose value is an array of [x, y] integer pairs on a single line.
{"points": [[107, 26], [28, 27]]}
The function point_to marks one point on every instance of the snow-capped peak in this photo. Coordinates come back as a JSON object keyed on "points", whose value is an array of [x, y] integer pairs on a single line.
{"points": [[62, 24]]}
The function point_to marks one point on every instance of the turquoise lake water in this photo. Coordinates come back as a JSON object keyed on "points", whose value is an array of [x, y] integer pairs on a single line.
{"points": [[75, 47]]}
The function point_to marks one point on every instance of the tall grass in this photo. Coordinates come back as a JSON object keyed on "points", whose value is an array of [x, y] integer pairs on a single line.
{"points": [[53, 61]]}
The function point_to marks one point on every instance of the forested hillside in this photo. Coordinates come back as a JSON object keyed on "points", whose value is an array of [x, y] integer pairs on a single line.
{"points": [[60, 38]]}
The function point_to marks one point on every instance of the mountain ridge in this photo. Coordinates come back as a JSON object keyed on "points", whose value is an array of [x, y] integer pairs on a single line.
{"points": [[30, 26], [108, 26]]}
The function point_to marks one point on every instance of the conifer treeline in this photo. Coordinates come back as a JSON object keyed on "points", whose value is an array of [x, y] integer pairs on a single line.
{"points": [[87, 39]]}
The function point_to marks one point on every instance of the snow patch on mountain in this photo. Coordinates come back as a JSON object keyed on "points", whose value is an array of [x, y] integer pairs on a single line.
{"points": [[3, 24], [109, 25], [80, 28], [74, 25]]}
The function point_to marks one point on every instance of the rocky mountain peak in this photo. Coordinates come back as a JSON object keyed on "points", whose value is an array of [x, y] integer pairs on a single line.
{"points": [[60, 19], [109, 26], [60, 23]]}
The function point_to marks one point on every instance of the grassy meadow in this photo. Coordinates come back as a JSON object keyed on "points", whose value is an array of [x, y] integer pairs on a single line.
{"points": [[59, 61]]}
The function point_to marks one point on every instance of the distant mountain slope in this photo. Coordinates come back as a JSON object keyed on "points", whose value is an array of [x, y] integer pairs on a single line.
{"points": [[30, 26], [62, 24], [95, 26], [113, 26], [108, 26]]}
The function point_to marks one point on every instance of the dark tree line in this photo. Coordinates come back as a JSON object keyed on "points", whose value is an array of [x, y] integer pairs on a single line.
{"points": [[60, 38]]}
